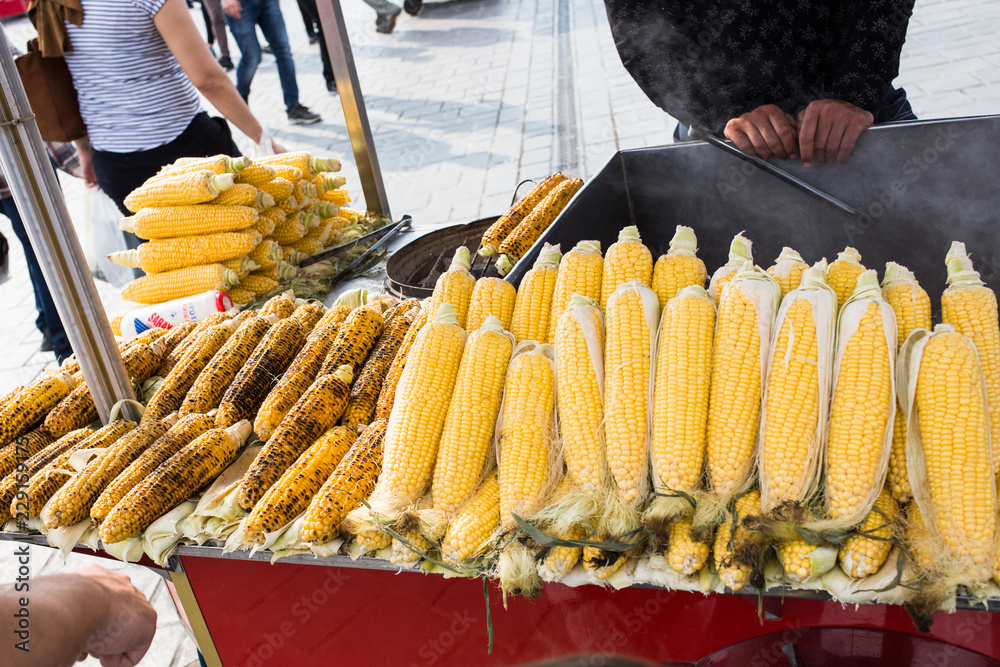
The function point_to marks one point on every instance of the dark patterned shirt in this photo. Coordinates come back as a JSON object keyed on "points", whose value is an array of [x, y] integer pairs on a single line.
{"points": [[709, 61]]}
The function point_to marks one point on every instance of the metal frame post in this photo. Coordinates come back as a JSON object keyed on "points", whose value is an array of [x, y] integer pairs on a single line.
{"points": [[33, 184], [349, 88]]}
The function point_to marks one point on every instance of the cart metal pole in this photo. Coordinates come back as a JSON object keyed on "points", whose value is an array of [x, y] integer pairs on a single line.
{"points": [[349, 88], [39, 200]]}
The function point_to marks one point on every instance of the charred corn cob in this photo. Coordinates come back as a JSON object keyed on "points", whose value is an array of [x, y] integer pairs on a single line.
{"points": [[32, 404], [680, 267], [14, 480], [180, 434], [169, 285], [842, 274], [282, 305], [509, 221], [308, 314], [22, 448], [355, 339], [517, 243], [626, 261], [455, 286], [191, 188], [351, 482], [530, 319], [170, 254], [295, 489], [473, 525], [387, 394], [73, 412], [178, 477], [175, 386], [165, 222]]}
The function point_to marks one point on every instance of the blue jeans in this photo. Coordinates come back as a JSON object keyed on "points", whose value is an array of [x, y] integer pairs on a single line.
{"points": [[266, 14], [43, 299]]}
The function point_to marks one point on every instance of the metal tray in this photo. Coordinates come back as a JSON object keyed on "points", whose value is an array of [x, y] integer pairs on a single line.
{"points": [[922, 184]]}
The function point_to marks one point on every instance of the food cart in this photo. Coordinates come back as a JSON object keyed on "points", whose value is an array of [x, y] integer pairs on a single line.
{"points": [[915, 186]]}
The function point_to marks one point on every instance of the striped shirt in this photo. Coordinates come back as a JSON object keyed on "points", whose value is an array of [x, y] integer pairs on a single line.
{"points": [[133, 94]]}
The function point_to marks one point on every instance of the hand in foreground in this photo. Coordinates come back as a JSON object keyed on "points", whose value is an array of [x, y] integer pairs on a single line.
{"points": [[828, 130], [278, 148], [766, 131], [232, 8], [129, 623]]}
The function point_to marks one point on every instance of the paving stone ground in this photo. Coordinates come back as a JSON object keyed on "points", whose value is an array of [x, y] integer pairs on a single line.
{"points": [[465, 101]]}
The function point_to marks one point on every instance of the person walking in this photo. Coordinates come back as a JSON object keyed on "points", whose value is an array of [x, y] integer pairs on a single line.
{"points": [[243, 18], [310, 10], [216, 25], [386, 14]]}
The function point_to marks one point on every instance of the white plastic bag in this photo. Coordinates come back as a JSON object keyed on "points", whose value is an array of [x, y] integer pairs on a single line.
{"points": [[103, 215], [264, 147]]}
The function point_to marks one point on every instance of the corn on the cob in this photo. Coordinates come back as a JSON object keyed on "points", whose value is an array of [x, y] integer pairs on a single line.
{"points": [[175, 386], [244, 194], [278, 187], [418, 416], [307, 163], [349, 484], [509, 221], [289, 206], [788, 269], [259, 284], [190, 188], [735, 544], [336, 196], [305, 192], [864, 552], [281, 305], [22, 448], [325, 210], [266, 223], [747, 308], [255, 380], [355, 339], [188, 341], [320, 232], [73, 501], [558, 561], [169, 285], [532, 303], [14, 480], [491, 296], [241, 265], [455, 286], [141, 360], [293, 174], [472, 415], [525, 455], [178, 477], [680, 267], [164, 222], [527, 232], [292, 256], [32, 405], [803, 561], [897, 479], [73, 412], [324, 181], [471, 528], [295, 489], [207, 390], [684, 554], [336, 314], [626, 261], [316, 411], [795, 408], [680, 404], [862, 407], [219, 164], [308, 246], [267, 254], [308, 315], [281, 272], [387, 394], [256, 173], [842, 274], [116, 323], [579, 342], [180, 434], [971, 307], [288, 231], [740, 251], [365, 391], [169, 254], [241, 296], [44, 483], [174, 338], [580, 272]]}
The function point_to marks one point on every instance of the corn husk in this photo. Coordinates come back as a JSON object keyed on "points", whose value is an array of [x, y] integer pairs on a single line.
{"points": [[740, 251], [162, 536]]}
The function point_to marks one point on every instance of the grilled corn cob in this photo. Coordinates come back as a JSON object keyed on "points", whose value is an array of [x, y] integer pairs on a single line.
{"points": [[32, 404], [73, 412], [509, 221], [520, 240], [530, 319], [13, 481], [22, 448], [355, 339], [680, 267]]}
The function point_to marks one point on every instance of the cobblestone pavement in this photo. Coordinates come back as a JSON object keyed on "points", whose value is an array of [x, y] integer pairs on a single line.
{"points": [[465, 101]]}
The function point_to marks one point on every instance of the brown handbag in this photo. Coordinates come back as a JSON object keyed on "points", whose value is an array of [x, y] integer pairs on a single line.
{"points": [[51, 94]]}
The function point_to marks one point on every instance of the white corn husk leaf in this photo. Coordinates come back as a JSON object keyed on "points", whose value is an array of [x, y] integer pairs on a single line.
{"points": [[877, 587], [91, 538], [740, 251], [824, 309], [127, 551], [217, 510], [947, 564], [654, 569], [81, 457], [159, 540], [65, 538]]}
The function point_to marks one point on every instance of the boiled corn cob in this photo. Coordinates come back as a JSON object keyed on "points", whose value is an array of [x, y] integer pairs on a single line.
{"points": [[680, 267], [387, 394], [530, 319], [842, 274], [241, 296], [244, 194], [292, 256], [293, 174], [72, 503], [491, 296], [241, 265], [787, 270], [325, 181], [735, 544], [337, 196], [684, 554], [169, 285], [32, 405], [180, 434], [295, 489], [520, 240], [266, 223], [178, 477], [740, 251], [803, 561], [256, 379], [471, 417], [281, 272], [327, 211], [164, 222], [267, 254], [259, 284], [307, 163], [355, 339], [255, 173], [509, 221], [580, 272], [455, 286], [278, 187], [351, 482], [289, 231], [308, 246], [219, 164], [170, 254], [12, 482], [626, 261], [471, 528], [190, 188], [864, 552]]}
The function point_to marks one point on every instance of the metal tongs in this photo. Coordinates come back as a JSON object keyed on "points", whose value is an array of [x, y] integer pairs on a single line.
{"points": [[387, 233], [701, 133]]}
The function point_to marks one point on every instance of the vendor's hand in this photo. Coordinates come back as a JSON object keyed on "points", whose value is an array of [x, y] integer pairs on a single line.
{"points": [[766, 131], [278, 148], [129, 623], [828, 130], [232, 8], [86, 170]]}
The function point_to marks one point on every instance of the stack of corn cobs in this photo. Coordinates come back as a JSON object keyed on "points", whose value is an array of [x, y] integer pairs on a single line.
{"points": [[233, 224], [610, 421]]}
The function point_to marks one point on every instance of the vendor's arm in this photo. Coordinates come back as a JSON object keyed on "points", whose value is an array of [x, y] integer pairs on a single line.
{"points": [[175, 25], [91, 611], [829, 128]]}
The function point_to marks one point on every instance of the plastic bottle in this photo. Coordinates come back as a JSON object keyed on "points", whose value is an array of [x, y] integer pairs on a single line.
{"points": [[172, 313]]}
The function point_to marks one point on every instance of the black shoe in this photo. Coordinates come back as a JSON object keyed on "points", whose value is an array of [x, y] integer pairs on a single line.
{"points": [[301, 115], [227, 63], [266, 49], [46, 345], [413, 7], [331, 87], [384, 23], [313, 39]]}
